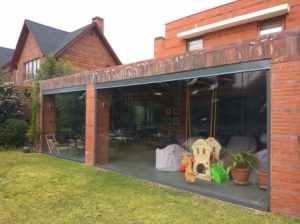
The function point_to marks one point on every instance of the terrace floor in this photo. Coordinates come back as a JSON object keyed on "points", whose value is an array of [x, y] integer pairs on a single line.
{"points": [[139, 161]]}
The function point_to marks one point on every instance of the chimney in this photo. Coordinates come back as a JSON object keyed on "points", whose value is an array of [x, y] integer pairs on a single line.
{"points": [[100, 22], [159, 47]]}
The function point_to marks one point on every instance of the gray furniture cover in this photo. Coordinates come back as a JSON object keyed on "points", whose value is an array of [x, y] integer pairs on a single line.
{"points": [[168, 158], [241, 143]]}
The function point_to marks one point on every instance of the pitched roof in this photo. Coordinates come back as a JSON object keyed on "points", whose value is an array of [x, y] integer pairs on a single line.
{"points": [[6, 55], [53, 41], [70, 37], [47, 38]]}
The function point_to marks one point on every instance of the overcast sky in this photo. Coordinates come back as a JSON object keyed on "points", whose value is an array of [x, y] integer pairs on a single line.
{"points": [[130, 25]]}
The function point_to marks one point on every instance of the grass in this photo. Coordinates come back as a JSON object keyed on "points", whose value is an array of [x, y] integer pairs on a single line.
{"points": [[36, 188]]}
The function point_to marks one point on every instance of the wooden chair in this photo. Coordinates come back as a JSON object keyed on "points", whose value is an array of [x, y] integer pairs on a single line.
{"points": [[53, 145]]}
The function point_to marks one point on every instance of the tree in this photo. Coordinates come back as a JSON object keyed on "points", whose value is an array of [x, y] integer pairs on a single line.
{"points": [[53, 68], [12, 128], [10, 102]]}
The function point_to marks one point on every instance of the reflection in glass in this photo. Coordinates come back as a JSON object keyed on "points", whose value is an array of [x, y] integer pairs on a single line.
{"points": [[70, 125]]}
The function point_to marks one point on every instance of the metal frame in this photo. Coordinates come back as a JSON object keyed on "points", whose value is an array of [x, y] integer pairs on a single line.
{"points": [[198, 73], [64, 90], [269, 141]]}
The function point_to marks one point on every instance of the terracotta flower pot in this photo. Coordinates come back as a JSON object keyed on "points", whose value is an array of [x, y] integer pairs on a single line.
{"points": [[240, 176], [262, 178]]}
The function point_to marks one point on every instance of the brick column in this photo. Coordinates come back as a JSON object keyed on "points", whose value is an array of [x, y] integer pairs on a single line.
{"points": [[285, 143], [46, 121], [103, 107], [90, 125], [159, 47]]}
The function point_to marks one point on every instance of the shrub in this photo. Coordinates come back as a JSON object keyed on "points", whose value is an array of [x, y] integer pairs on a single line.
{"points": [[13, 133], [10, 102]]}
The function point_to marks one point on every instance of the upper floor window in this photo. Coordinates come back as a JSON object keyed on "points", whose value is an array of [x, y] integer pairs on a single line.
{"points": [[196, 44], [271, 26], [31, 69]]}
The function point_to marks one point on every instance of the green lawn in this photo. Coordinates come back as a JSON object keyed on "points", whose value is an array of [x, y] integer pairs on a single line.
{"points": [[36, 188]]}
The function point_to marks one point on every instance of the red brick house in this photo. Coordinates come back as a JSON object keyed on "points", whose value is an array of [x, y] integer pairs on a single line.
{"points": [[85, 48], [6, 55], [231, 72], [230, 23]]}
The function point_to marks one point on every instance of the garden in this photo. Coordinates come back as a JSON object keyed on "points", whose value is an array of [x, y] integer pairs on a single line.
{"points": [[38, 188]]}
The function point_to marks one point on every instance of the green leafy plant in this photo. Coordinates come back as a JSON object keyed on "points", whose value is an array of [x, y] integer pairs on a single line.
{"points": [[243, 160], [13, 133], [53, 68], [10, 102], [33, 131]]}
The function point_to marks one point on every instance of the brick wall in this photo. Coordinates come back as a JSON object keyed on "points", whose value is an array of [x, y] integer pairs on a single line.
{"points": [[173, 45], [159, 46], [90, 125], [47, 120], [97, 126], [277, 47], [88, 53], [103, 106], [285, 152]]}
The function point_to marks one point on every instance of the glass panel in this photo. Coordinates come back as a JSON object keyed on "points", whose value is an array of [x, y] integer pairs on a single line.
{"points": [[30, 70], [195, 44], [38, 63], [271, 26], [37, 67], [149, 127], [34, 68], [70, 125], [243, 111], [27, 70], [271, 30]]}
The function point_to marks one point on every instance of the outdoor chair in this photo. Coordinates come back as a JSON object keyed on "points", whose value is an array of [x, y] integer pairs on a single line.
{"points": [[53, 145], [76, 145]]}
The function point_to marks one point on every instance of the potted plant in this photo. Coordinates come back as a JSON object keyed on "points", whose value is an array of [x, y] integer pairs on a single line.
{"points": [[241, 165], [262, 176]]}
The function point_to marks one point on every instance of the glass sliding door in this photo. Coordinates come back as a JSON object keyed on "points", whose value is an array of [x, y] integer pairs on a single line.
{"points": [[145, 120], [68, 138]]}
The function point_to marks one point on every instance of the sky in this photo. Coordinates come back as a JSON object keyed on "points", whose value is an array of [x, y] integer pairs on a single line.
{"points": [[130, 25]]}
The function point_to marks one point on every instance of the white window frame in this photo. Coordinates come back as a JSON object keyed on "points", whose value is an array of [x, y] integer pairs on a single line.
{"points": [[198, 44], [271, 26], [31, 69]]}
